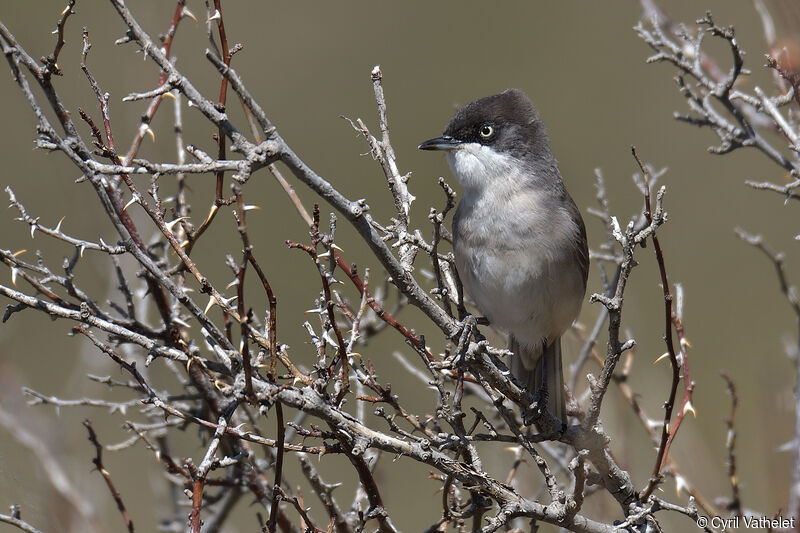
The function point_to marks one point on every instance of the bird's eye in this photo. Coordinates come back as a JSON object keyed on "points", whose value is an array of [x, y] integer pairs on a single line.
{"points": [[486, 131]]}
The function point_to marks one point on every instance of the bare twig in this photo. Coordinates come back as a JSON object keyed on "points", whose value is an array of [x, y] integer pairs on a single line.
{"points": [[98, 463], [14, 519], [735, 504], [668, 430], [790, 293], [276, 487]]}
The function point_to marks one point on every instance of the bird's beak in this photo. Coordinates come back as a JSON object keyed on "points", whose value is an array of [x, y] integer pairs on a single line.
{"points": [[445, 142]]}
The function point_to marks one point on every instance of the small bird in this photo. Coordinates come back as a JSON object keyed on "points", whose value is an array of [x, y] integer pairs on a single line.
{"points": [[519, 239]]}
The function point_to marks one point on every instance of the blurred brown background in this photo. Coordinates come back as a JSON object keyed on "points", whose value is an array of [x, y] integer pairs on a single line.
{"points": [[308, 63]]}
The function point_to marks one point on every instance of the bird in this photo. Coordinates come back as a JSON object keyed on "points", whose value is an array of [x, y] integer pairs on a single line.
{"points": [[519, 240]]}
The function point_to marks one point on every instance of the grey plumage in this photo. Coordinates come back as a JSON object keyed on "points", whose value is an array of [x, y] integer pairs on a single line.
{"points": [[518, 237]]}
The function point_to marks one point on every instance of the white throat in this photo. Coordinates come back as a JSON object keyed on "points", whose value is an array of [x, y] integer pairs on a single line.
{"points": [[478, 167]]}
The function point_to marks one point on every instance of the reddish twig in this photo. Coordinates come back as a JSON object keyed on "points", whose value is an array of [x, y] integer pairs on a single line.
{"points": [[98, 463], [220, 135], [170, 465], [276, 488], [686, 402], [384, 315], [197, 504], [316, 239], [102, 98], [670, 466], [273, 302], [182, 253], [305, 521], [51, 61], [372, 491], [670, 320], [113, 193], [147, 118]]}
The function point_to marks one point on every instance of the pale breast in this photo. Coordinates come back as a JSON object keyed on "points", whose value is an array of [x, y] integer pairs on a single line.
{"points": [[515, 255]]}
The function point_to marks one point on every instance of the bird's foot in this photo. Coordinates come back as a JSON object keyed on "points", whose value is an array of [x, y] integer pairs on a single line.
{"points": [[537, 414], [537, 408]]}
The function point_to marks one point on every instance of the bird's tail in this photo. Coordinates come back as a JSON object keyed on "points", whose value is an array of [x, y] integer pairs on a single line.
{"points": [[548, 363]]}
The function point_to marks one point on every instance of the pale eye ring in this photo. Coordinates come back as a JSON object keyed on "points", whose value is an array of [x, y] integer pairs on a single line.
{"points": [[486, 131]]}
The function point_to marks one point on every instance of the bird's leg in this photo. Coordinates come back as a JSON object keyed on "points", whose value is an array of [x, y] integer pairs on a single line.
{"points": [[542, 391], [539, 405], [537, 413], [545, 370], [533, 413]]}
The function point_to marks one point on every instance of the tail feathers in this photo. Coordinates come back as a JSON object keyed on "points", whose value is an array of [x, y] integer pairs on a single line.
{"points": [[547, 371]]}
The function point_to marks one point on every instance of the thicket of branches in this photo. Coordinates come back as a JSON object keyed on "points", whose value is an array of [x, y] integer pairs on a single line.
{"points": [[234, 378]]}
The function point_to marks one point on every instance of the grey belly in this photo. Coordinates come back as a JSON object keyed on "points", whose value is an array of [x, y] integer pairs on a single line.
{"points": [[520, 292]]}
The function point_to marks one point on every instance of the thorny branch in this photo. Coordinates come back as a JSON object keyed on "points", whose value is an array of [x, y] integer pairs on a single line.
{"points": [[678, 361], [746, 115], [219, 367]]}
